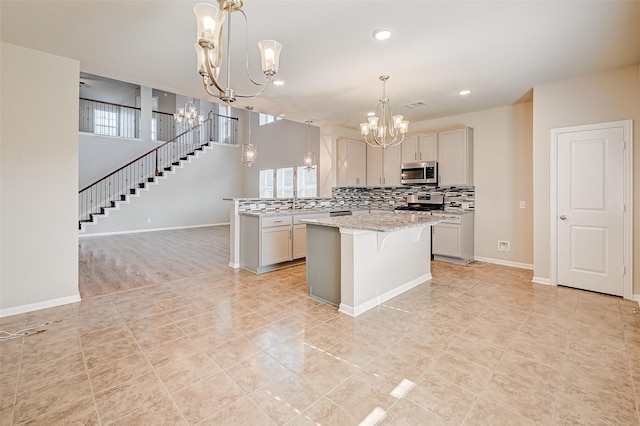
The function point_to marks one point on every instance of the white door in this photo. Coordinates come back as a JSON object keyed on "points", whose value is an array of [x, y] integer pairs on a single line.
{"points": [[590, 210]]}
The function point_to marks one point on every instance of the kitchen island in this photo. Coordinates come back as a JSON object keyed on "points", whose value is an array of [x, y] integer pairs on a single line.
{"points": [[359, 262]]}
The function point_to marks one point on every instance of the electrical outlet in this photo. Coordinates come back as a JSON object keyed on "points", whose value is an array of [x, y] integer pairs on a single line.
{"points": [[503, 245], [522, 205], [148, 220]]}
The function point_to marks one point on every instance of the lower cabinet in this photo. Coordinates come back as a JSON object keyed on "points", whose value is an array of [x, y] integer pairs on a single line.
{"points": [[453, 241], [275, 245], [271, 242], [447, 240]]}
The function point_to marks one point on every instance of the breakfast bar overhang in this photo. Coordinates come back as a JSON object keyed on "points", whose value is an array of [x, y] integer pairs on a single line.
{"points": [[359, 262]]}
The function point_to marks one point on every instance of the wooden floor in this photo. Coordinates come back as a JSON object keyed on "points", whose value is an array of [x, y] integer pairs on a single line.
{"points": [[115, 263]]}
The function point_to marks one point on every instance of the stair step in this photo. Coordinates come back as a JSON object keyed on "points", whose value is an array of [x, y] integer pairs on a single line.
{"points": [[151, 179], [176, 163], [142, 185]]}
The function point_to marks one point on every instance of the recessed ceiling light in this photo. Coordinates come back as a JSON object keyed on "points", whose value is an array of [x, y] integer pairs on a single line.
{"points": [[282, 115], [464, 92], [371, 114], [382, 34], [278, 82]]}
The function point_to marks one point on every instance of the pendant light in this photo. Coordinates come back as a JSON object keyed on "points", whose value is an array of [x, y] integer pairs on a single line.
{"points": [[386, 129], [310, 157], [249, 152]]}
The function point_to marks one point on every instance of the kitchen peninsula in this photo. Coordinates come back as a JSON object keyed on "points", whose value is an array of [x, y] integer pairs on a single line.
{"points": [[359, 262]]}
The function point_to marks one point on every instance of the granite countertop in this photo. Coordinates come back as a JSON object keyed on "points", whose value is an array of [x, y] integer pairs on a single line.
{"points": [[287, 212], [377, 221]]}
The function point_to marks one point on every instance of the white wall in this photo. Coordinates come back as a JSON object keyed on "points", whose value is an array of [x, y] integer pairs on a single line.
{"points": [[192, 196], [608, 96], [502, 177], [39, 180], [329, 135], [282, 143], [100, 155]]}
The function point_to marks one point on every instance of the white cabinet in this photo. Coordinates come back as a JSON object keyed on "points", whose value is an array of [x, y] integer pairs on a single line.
{"points": [[275, 245], [422, 147], [351, 167], [299, 241], [447, 240], [455, 157], [275, 239], [428, 144], [410, 149], [453, 241], [383, 165]]}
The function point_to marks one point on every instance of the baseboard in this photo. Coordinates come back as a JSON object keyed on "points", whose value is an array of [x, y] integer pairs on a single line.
{"points": [[636, 297], [538, 280], [354, 311], [137, 231], [504, 262], [7, 312], [234, 265]]}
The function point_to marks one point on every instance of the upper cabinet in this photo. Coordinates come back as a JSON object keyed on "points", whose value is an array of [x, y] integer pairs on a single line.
{"points": [[420, 148], [383, 166], [455, 157], [359, 164], [352, 163]]}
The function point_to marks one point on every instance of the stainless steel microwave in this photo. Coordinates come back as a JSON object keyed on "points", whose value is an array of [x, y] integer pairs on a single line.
{"points": [[420, 173]]}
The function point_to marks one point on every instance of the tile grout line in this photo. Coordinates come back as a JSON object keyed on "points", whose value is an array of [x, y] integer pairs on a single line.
{"points": [[86, 368], [153, 368], [15, 391]]}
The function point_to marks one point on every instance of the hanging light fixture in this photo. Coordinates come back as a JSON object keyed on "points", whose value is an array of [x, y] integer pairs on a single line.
{"points": [[386, 129], [249, 151], [309, 157], [209, 48], [188, 116]]}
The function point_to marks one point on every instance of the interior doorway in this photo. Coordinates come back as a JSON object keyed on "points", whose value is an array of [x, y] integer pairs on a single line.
{"points": [[591, 209]]}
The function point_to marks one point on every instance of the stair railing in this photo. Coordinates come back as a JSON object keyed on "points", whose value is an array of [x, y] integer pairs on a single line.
{"points": [[136, 174]]}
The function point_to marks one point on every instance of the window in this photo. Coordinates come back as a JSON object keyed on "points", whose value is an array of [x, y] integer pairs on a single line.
{"points": [[154, 129], [266, 183], [224, 124], [287, 181], [284, 182], [266, 119], [105, 122], [307, 183]]}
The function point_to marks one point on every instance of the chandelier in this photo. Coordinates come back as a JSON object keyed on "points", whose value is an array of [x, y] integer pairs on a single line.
{"points": [[310, 157], [249, 152], [209, 47], [386, 129], [188, 116]]}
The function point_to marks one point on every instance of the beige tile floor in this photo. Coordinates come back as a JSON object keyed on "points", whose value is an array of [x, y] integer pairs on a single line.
{"points": [[477, 345]]}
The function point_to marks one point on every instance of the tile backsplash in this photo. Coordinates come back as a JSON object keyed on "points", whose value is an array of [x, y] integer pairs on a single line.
{"points": [[350, 198]]}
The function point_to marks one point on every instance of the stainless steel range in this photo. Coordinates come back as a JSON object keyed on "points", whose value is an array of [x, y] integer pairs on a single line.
{"points": [[427, 202], [451, 241]]}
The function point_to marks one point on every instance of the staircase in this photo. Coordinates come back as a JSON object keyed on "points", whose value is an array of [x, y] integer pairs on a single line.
{"points": [[95, 200]]}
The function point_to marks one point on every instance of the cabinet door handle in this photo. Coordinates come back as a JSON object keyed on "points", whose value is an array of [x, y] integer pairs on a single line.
{"points": [[277, 221], [415, 155], [290, 234]]}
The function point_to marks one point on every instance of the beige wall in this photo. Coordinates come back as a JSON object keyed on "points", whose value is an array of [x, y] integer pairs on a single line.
{"points": [[39, 180], [502, 176], [608, 96]]}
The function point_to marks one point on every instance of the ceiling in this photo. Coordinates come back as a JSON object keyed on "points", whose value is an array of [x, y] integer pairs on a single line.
{"points": [[330, 62]]}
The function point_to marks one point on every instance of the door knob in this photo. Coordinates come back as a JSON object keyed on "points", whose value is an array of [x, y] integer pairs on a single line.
{"points": [[563, 217]]}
